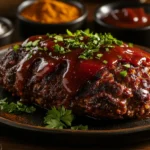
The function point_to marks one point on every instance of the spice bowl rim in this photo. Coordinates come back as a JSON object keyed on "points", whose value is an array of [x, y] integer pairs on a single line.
{"points": [[26, 3], [9, 25], [115, 5]]}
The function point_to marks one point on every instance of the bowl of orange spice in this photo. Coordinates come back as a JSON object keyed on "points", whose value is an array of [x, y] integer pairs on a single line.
{"points": [[53, 16]]}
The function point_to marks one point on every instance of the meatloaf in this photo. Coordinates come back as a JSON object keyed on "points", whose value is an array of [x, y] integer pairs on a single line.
{"points": [[92, 74]]}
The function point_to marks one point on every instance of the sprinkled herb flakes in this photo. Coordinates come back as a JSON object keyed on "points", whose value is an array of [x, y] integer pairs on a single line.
{"points": [[91, 43], [60, 49], [33, 46], [91, 46], [35, 43], [16, 47], [123, 73], [98, 56], [130, 44], [105, 61], [127, 65], [29, 44]]}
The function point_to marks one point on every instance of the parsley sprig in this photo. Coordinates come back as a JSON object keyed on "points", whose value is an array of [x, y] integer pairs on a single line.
{"points": [[61, 118], [15, 107]]}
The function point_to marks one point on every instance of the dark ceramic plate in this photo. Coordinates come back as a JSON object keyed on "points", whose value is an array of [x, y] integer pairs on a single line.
{"points": [[100, 131]]}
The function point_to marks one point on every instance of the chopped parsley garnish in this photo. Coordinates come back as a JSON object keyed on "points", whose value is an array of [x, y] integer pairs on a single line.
{"points": [[61, 118], [15, 107], [45, 48], [127, 65], [123, 73], [29, 44], [58, 48], [28, 48], [69, 33], [87, 31], [91, 43], [107, 49], [16, 47], [98, 56], [88, 54], [30, 55], [94, 42], [130, 44], [33, 46], [105, 61], [58, 38], [35, 43]]}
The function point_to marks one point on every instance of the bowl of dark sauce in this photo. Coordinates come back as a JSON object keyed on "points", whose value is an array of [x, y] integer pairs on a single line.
{"points": [[128, 21]]}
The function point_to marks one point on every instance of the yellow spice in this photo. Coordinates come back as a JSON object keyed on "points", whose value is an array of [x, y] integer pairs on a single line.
{"points": [[51, 11]]}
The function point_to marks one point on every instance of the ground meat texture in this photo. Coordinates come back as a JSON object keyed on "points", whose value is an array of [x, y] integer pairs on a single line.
{"points": [[87, 87]]}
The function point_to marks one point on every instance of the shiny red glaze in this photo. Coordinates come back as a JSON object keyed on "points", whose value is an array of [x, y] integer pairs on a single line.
{"points": [[78, 71], [128, 18]]}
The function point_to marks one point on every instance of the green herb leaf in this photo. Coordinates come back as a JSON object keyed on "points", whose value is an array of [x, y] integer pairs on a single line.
{"points": [[16, 47], [58, 38], [29, 44], [127, 65], [30, 55], [45, 48], [15, 107], [87, 31], [69, 33], [83, 57], [35, 43], [98, 56], [107, 49], [80, 127], [123, 73], [28, 48], [58, 118], [105, 61], [130, 44], [55, 124], [60, 49], [91, 44], [81, 38], [118, 42]]}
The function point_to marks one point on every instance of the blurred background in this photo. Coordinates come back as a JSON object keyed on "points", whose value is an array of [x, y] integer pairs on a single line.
{"points": [[8, 9]]}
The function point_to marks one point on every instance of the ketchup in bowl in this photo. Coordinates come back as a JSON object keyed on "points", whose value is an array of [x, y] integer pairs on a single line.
{"points": [[128, 18]]}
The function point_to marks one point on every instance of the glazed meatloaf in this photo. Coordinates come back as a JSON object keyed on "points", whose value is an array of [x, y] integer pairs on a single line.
{"points": [[94, 75]]}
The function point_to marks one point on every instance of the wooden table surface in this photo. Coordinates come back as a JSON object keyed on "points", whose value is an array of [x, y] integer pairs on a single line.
{"points": [[10, 140]]}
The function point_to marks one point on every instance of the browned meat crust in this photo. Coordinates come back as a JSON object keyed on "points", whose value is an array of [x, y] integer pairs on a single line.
{"points": [[106, 95]]}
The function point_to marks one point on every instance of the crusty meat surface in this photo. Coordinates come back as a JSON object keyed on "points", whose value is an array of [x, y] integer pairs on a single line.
{"points": [[108, 93]]}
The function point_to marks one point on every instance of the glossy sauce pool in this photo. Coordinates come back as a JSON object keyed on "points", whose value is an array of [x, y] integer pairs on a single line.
{"points": [[78, 71], [128, 18]]}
